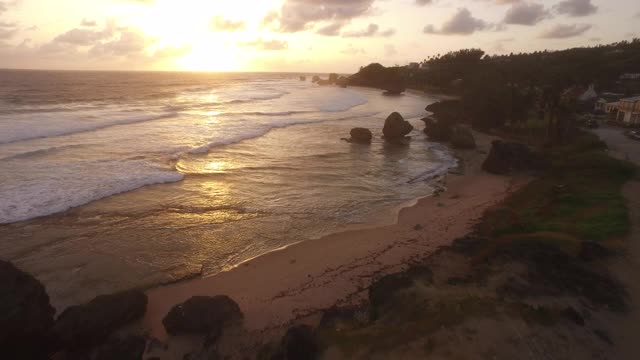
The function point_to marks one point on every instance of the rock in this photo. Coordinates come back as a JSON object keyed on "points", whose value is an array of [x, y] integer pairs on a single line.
{"points": [[26, 316], [84, 326], [202, 315], [361, 136], [447, 110], [396, 127], [303, 78], [323, 82], [315, 78], [333, 78], [342, 82], [507, 157], [395, 87], [440, 130], [462, 138], [130, 348], [299, 343]]}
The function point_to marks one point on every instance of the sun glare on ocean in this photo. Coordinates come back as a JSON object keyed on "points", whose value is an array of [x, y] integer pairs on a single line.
{"points": [[188, 23]]}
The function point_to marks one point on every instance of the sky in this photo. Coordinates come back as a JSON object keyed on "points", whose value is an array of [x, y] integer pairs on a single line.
{"points": [[293, 35]]}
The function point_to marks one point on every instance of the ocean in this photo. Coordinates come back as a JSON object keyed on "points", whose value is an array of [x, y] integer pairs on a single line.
{"points": [[116, 180]]}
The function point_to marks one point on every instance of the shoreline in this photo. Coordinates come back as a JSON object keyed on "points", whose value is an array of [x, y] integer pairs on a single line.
{"points": [[301, 279]]}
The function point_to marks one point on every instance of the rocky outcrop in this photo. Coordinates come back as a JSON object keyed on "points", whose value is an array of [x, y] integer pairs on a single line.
{"points": [[84, 326], [396, 128], [303, 78], [462, 138], [342, 81], [323, 82], [202, 315], [450, 111], [377, 76], [361, 136], [509, 157], [299, 343], [333, 78], [438, 130], [315, 79], [26, 316]]}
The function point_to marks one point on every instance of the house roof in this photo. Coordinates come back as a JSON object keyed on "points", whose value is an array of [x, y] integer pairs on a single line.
{"points": [[631, 99]]}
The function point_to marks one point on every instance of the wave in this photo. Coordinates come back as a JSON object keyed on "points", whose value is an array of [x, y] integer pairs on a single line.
{"points": [[48, 196], [441, 167], [22, 133], [41, 152]]}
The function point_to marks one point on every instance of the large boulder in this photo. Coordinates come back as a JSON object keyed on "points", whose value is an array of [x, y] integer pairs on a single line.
{"points": [[361, 136], [438, 130], [342, 82], [299, 343], [84, 326], [396, 127], [462, 138], [202, 315], [447, 110], [333, 78], [26, 316], [315, 79], [508, 157]]}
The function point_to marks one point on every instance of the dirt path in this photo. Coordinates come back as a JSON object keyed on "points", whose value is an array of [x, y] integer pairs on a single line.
{"points": [[625, 330]]}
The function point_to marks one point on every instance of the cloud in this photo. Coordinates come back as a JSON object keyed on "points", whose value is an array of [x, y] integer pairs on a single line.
{"points": [[526, 14], [576, 8], [563, 31], [332, 29], [86, 37], [423, 2], [128, 43], [299, 15], [267, 45], [462, 23], [219, 23], [370, 31]]}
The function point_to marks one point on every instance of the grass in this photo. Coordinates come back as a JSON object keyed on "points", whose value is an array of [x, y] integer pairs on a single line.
{"points": [[579, 198]]}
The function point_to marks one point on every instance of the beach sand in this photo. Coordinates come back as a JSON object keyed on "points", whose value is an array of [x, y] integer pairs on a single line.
{"points": [[301, 280]]}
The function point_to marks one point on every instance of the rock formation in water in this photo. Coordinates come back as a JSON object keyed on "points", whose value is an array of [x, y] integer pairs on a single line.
{"points": [[361, 136], [396, 128]]}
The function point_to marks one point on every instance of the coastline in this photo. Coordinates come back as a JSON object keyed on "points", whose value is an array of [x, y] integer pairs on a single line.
{"points": [[304, 278]]}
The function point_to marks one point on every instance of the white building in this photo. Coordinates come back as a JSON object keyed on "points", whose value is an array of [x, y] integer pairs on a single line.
{"points": [[629, 110]]}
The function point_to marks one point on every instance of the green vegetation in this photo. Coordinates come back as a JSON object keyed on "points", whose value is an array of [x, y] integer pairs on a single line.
{"points": [[579, 198]]}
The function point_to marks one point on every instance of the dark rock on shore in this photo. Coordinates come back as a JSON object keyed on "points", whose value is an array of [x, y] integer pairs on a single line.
{"points": [[377, 76], [342, 81], [440, 130], [507, 157], [396, 127], [462, 138], [333, 78], [315, 79], [303, 78], [202, 315], [361, 136], [26, 316], [299, 343], [85, 326], [447, 110], [130, 348]]}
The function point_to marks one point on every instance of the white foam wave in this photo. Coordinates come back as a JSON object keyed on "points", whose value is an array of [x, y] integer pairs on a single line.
{"points": [[44, 194], [49, 126]]}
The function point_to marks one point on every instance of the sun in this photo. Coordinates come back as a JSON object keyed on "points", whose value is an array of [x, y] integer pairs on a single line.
{"points": [[186, 23]]}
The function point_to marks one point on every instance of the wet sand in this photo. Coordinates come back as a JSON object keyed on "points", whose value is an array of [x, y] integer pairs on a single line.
{"points": [[302, 279]]}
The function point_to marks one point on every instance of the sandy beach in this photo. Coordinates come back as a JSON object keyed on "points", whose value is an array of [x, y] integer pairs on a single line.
{"points": [[299, 281]]}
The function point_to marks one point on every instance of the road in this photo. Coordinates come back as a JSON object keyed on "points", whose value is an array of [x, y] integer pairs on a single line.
{"points": [[625, 330]]}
